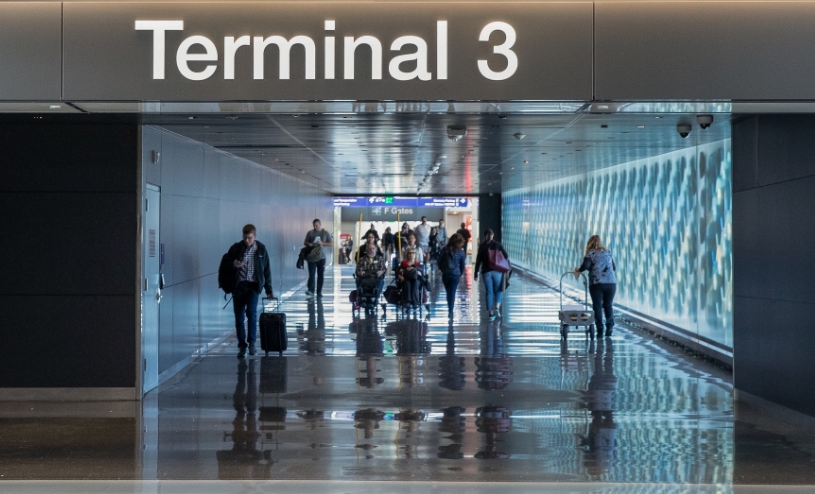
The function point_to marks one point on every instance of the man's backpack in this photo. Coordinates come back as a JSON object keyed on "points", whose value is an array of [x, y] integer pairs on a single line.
{"points": [[445, 261], [227, 274]]}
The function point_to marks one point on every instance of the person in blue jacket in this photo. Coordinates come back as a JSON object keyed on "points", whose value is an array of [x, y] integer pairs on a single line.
{"points": [[452, 267]]}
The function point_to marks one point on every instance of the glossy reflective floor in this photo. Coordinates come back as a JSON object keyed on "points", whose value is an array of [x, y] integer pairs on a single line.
{"points": [[502, 406]]}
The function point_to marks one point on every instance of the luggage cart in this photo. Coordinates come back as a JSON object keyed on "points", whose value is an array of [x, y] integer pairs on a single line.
{"points": [[576, 315]]}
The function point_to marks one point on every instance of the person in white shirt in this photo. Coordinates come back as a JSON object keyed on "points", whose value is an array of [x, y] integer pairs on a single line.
{"points": [[423, 238]]}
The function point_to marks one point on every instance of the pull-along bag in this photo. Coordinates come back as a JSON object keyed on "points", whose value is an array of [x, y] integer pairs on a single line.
{"points": [[272, 327]]}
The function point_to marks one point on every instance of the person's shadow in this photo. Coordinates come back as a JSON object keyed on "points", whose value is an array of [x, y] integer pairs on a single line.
{"points": [[492, 421], [453, 423], [314, 335], [493, 366], [245, 460], [451, 366], [370, 348], [601, 400]]}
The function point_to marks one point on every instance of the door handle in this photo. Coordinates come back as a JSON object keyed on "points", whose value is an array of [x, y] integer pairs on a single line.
{"points": [[158, 295]]}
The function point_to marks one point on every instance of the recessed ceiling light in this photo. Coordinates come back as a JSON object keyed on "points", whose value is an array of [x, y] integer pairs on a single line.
{"points": [[640, 126], [526, 161], [657, 117], [190, 118]]}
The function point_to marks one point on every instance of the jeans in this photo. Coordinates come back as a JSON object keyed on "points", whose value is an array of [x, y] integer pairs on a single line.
{"points": [[492, 282], [602, 298], [245, 303], [319, 268], [450, 282]]}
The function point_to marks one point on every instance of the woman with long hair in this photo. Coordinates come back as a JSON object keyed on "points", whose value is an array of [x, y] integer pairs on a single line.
{"points": [[412, 245], [602, 283], [451, 263], [493, 280]]}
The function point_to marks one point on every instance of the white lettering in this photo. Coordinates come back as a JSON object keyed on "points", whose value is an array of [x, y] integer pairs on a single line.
{"points": [[502, 49], [284, 47], [230, 47], [441, 50], [159, 29], [376, 55], [420, 56], [329, 51], [183, 57]]}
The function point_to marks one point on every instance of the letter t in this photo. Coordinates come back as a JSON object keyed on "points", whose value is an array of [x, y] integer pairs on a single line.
{"points": [[159, 29]]}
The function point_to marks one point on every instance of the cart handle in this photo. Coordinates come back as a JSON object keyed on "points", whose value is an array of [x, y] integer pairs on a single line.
{"points": [[585, 287]]}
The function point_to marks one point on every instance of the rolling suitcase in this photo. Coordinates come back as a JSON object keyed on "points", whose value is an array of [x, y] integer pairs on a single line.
{"points": [[272, 327]]}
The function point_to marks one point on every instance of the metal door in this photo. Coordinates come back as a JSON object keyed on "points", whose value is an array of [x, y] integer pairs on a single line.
{"points": [[151, 287]]}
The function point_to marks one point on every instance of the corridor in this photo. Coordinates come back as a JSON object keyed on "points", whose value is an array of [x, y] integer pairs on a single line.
{"points": [[355, 401]]}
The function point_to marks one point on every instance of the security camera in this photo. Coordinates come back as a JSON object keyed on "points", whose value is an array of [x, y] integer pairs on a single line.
{"points": [[683, 129], [456, 132], [704, 120]]}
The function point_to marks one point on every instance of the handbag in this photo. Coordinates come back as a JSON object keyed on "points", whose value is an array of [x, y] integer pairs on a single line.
{"points": [[496, 261]]}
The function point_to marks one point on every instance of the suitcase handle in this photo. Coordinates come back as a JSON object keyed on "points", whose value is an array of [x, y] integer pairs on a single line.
{"points": [[263, 305]]}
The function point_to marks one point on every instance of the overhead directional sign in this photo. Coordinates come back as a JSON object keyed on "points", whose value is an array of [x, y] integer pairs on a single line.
{"points": [[403, 202]]}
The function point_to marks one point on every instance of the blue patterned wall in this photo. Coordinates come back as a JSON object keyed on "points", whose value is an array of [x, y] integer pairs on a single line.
{"points": [[667, 220]]}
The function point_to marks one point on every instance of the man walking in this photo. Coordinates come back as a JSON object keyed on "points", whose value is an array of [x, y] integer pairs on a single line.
{"points": [[442, 233], [422, 232], [251, 260], [316, 239]]}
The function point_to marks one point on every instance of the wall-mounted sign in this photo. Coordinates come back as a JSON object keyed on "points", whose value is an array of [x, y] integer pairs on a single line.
{"points": [[395, 203], [327, 51]]}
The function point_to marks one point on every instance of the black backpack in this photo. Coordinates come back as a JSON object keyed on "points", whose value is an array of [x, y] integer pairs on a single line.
{"points": [[227, 274], [445, 261]]}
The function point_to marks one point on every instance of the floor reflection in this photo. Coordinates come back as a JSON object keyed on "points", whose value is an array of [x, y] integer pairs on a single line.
{"points": [[403, 399]]}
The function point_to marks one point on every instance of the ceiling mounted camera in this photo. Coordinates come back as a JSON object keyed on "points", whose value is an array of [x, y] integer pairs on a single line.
{"points": [[683, 129], [456, 132], [704, 120]]}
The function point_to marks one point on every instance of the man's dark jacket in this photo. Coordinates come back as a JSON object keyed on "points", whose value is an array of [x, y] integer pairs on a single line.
{"points": [[262, 269]]}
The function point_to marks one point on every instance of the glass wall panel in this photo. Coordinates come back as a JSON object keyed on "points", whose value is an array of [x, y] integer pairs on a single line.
{"points": [[666, 220]]}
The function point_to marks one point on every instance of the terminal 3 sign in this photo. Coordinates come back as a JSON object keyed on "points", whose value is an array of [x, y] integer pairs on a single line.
{"points": [[327, 52]]}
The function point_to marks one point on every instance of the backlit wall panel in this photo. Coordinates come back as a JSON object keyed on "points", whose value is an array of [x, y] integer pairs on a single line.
{"points": [[667, 221]]}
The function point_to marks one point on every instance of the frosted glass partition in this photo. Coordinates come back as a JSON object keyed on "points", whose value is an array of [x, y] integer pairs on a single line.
{"points": [[667, 220]]}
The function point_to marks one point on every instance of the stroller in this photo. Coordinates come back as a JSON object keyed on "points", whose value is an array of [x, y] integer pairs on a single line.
{"points": [[366, 296]]}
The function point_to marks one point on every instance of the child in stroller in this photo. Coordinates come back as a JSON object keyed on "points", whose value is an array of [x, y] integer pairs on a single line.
{"points": [[411, 281], [370, 278]]}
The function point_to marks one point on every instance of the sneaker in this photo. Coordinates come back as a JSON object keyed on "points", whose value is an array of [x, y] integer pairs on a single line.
{"points": [[242, 353], [309, 294], [497, 312], [319, 295], [252, 350], [492, 315]]}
